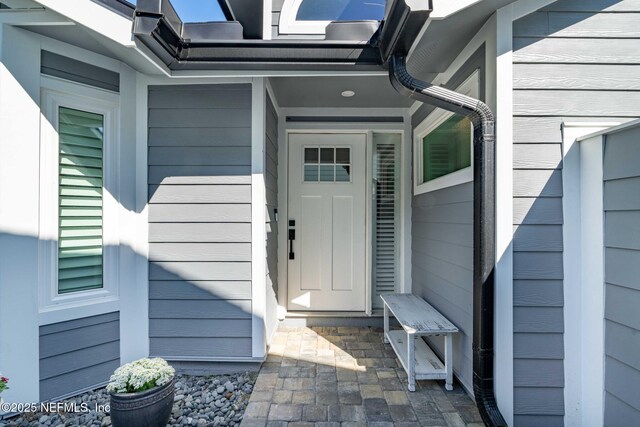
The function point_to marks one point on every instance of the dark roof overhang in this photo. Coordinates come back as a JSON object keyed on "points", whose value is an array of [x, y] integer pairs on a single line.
{"points": [[222, 46]]}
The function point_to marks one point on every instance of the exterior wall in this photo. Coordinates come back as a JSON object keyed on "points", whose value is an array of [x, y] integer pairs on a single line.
{"points": [[53, 342], [442, 246], [568, 59], [621, 172], [69, 69], [271, 184], [78, 354], [200, 221]]}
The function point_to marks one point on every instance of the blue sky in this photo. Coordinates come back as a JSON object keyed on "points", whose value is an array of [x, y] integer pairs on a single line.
{"points": [[197, 10]]}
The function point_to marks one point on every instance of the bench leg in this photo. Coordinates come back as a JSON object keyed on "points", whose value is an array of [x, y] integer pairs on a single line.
{"points": [[448, 361], [411, 361], [386, 323]]}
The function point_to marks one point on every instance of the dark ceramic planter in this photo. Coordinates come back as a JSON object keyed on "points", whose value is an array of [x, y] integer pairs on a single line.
{"points": [[150, 408]]}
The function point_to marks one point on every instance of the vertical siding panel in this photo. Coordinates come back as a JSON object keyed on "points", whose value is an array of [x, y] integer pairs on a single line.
{"points": [[199, 200]]}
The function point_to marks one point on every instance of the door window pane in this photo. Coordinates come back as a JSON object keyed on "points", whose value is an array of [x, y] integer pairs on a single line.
{"points": [[326, 155], [334, 164], [311, 155], [343, 156], [447, 148], [327, 173], [342, 173], [310, 173]]}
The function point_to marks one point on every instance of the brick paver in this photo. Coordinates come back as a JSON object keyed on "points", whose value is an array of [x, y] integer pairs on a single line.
{"points": [[329, 376]]}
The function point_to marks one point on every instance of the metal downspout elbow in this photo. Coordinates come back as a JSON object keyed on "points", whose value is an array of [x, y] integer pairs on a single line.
{"points": [[483, 122]]}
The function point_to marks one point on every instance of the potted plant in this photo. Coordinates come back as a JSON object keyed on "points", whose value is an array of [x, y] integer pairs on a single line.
{"points": [[3, 386], [142, 393]]}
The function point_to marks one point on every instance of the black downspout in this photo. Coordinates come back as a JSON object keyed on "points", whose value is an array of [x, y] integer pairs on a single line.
{"points": [[483, 222]]}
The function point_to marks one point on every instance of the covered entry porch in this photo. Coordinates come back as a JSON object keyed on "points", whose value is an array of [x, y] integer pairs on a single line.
{"points": [[331, 375]]}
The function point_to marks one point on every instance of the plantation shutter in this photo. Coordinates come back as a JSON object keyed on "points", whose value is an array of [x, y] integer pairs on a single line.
{"points": [[386, 215], [80, 200]]}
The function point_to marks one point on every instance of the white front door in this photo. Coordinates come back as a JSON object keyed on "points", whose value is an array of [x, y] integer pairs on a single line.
{"points": [[327, 258]]}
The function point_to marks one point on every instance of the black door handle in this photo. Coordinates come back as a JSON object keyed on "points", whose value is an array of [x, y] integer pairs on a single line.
{"points": [[292, 237]]}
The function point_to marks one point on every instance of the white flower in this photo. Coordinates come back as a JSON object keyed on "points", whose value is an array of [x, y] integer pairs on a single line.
{"points": [[140, 375]]}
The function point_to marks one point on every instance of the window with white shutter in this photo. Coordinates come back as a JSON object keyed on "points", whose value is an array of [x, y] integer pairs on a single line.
{"points": [[81, 137], [386, 214]]}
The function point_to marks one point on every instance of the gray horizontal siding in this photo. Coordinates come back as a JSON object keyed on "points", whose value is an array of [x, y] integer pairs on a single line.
{"points": [[200, 221], [622, 269], [573, 61], [79, 354], [67, 68], [442, 251], [442, 244]]}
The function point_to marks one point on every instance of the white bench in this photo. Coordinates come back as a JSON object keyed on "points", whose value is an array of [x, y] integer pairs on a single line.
{"points": [[418, 318]]}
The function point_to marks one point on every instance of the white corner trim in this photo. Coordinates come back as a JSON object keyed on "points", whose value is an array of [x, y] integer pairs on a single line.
{"points": [[583, 272], [593, 289], [503, 317], [258, 224], [134, 288]]}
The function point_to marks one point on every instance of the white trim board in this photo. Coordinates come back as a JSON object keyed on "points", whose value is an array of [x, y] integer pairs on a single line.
{"points": [[258, 225], [503, 286], [582, 202]]}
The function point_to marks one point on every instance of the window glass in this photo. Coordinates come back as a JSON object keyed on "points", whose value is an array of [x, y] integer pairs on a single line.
{"points": [[80, 200], [447, 148], [327, 164], [341, 10]]}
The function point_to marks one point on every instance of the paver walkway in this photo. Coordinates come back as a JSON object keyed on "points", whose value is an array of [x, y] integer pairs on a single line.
{"points": [[347, 376]]}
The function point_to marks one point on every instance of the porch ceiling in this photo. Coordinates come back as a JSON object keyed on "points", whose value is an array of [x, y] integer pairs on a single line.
{"points": [[319, 92]]}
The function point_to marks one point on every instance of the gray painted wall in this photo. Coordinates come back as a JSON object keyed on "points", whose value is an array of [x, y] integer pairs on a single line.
{"points": [[573, 61], [200, 221], [442, 246], [70, 69], [622, 287], [78, 354]]}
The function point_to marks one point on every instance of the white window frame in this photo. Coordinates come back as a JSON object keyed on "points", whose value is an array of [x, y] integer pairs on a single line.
{"points": [[56, 93], [290, 25], [470, 87]]}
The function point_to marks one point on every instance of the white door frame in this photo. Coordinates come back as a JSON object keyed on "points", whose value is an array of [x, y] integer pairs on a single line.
{"points": [[284, 129]]}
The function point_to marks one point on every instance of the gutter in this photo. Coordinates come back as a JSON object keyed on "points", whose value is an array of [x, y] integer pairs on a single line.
{"points": [[222, 46], [395, 42]]}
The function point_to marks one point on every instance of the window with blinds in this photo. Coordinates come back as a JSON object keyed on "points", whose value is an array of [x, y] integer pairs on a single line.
{"points": [[81, 137], [447, 148], [386, 212]]}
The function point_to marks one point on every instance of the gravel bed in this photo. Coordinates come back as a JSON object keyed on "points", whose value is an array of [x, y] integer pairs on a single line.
{"points": [[199, 401]]}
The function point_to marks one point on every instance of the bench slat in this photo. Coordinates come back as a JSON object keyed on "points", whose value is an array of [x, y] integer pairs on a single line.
{"points": [[416, 315]]}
